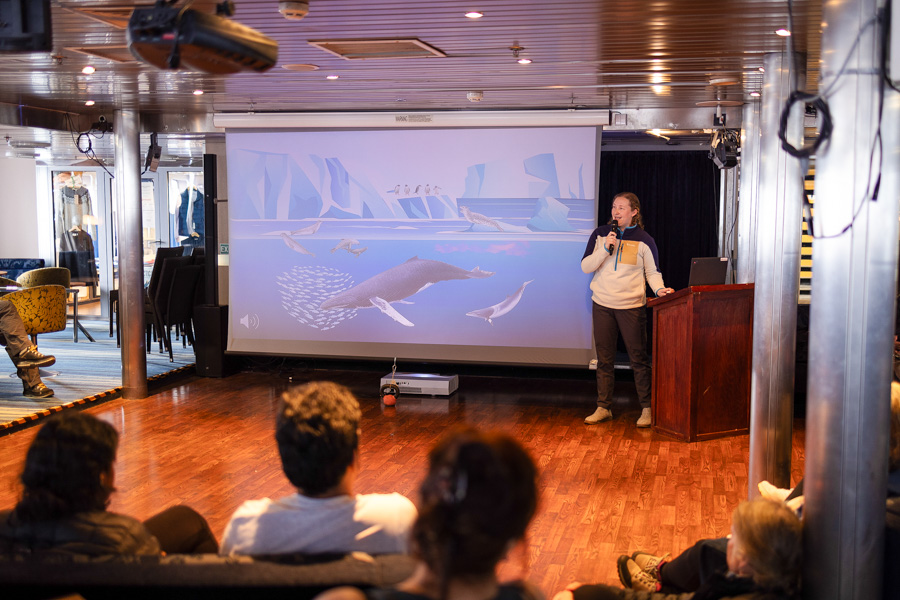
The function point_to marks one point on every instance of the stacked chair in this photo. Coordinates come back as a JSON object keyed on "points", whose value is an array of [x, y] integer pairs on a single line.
{"points": [[170, 297]]}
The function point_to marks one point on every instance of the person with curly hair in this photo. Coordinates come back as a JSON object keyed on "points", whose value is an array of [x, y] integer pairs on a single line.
{"points": [[317, 432]]}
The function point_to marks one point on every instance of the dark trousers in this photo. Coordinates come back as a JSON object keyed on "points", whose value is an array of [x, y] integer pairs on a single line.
{"points": [[693, 567], [632, 324], [182, 530], [14, 337]]}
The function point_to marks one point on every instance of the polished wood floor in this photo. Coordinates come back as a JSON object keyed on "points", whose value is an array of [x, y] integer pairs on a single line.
{"points": [[607, 489]]}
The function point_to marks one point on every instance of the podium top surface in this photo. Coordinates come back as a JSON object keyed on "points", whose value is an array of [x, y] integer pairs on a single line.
{"points": [[699, 289]]}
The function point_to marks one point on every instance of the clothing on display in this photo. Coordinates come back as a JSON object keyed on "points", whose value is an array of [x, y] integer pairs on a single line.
{"points": [[191, 214], [73, 204]]}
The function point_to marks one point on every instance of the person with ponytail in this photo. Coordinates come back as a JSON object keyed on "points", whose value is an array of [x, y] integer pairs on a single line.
{"points": [[476, 502], [622, 258]]}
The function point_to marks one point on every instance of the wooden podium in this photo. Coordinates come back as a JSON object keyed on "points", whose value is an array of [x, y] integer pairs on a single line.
{"points": [[702, 356]]}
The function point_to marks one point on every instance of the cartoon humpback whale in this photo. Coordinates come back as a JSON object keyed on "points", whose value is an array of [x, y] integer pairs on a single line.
{"points": [[308, 230], [345, 244], [293, 245], [399, 283], [478, 218], [498, 310]]}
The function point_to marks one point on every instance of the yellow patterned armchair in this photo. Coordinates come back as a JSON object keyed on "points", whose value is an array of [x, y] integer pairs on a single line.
{"points": [[45, 276], [42, 308]]}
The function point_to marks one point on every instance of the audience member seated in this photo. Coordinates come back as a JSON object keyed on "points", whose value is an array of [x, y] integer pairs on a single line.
{"points": [[68, 480], [23, 353], [317, 432], [763, 563], [477, 500]]}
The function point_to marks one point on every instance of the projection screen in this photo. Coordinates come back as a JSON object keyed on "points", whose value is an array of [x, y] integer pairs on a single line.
{"points": [[456, 245]]}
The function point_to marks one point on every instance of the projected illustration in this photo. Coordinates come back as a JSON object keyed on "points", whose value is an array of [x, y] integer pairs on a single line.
{"points": [[500, 309], [440, 231], [397, 284]]}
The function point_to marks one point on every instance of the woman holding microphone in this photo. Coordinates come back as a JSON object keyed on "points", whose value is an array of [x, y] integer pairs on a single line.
{"points": [[622, 257]]}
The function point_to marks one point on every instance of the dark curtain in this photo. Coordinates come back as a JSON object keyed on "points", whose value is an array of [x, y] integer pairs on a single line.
{"points": [[679, 193]]}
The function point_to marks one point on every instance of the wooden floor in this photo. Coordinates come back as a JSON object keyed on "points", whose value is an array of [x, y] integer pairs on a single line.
{"points": [[607, 489]]}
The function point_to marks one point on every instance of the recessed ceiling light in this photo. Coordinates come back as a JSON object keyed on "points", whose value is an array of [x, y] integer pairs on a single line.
{"points": [[660, 89], [89, 103], [754, 94], [474, 14], [782, 32], [762, 69], [198, 92], [524, 61], [301, 67], [88, 70], [332, 76]]}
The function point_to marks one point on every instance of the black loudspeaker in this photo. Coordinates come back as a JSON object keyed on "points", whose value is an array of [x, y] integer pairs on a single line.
{"points": [[211, 229], [211, 335]]}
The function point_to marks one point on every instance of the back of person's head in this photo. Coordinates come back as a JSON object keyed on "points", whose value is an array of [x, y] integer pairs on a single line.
{"points": [[64, 465], [478, 497], [770, 538], [894, 462], [317, 435]]}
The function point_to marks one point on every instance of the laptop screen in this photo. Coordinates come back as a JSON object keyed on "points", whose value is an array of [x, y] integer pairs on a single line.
{"points": [[710, 270]]}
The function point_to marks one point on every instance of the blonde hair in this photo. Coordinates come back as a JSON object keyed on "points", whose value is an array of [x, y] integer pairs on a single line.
{"points": [[894, 461], [635, 205], [769, 535]]}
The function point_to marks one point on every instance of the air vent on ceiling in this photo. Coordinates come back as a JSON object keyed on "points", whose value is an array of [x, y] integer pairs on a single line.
{"points": [[119, 54], [378, 48], [117, 16]]}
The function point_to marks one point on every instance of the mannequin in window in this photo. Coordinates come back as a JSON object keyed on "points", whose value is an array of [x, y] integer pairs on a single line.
{"points": [[73, 203], [76, 253], [190, 215]]}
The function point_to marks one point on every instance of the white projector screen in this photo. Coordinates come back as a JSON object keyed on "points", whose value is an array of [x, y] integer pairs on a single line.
{"points": [[456, 245]]}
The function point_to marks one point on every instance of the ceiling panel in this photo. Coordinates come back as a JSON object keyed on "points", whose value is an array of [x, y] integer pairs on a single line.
{"points": [[615, 54]]}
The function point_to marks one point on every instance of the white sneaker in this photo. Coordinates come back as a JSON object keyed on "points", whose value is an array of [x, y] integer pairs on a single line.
{"points": [[646, 418], [601, 414]]}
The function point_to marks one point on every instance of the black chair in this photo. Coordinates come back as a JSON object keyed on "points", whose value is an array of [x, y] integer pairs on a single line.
{"points": [[149, 290], [157, 302], [179, 306]]}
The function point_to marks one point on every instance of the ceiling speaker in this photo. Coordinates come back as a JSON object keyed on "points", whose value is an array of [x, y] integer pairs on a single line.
{"points": [[153, 154]]}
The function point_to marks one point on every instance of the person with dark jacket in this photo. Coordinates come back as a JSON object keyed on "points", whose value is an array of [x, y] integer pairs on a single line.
{"points": [[67, 482], [762, 557]]}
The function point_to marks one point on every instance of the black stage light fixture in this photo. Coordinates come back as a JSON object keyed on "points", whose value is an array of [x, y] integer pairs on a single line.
{"points": [[169, 37], [724, 149], [25, 26], [153, 154]]}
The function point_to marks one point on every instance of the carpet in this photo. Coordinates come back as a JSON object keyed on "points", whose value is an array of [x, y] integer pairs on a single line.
{"points": [[88, 371]]}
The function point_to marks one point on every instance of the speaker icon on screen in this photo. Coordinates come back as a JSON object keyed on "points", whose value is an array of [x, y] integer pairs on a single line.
{"points": [[250, 321]]}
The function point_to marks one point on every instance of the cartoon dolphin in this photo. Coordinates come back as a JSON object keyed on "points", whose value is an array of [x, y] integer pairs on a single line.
{"points": [[498, 310], [293, 245], [345, 244], [357, 251], [308, 230], [398, 283], [478, 218]]}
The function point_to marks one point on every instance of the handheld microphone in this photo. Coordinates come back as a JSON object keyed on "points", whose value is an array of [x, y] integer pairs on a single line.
{"points": [[615, 230]]}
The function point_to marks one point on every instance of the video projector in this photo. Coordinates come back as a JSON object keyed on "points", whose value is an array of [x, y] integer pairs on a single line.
{"points": [[173, 38]]}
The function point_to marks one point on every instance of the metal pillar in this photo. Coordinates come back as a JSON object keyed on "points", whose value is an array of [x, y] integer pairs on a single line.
{"points": [[728, 218], [851, 313], [748, 213], [131, 254], [777, 282]]}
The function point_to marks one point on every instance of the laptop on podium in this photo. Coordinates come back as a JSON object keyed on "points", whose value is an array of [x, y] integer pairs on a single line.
{"points": [[709, 270]]}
